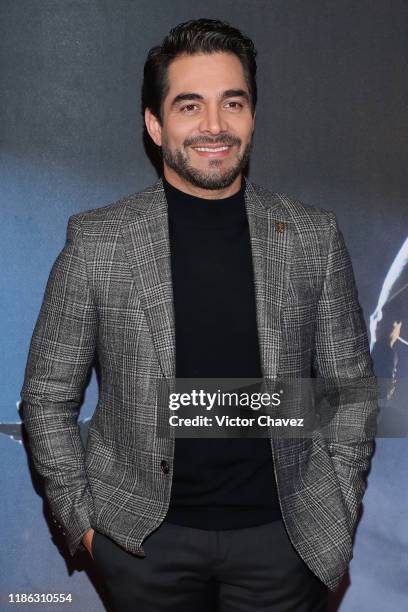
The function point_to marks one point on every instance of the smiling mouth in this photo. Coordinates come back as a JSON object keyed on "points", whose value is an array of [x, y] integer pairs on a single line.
{"points": [[212, 151]]}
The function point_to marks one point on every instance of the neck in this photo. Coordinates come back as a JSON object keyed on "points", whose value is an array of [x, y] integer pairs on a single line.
{"points": [[199, 192]]}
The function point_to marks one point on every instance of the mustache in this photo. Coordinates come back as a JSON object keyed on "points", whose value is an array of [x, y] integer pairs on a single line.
{"points": [[224, 139]]}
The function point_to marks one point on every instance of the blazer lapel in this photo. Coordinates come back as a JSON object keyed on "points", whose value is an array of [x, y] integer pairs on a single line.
{"points": [[271, 236], [146, 241]]}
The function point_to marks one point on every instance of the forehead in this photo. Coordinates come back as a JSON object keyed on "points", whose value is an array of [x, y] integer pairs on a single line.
{"points": [[205, 73]]}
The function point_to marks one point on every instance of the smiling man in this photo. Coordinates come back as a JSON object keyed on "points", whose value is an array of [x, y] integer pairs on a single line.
{"points": [[203, 275], [207, 125]]}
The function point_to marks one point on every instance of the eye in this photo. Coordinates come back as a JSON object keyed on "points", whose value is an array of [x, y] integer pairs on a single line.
{"points": [[234, 105], [188, 108]]}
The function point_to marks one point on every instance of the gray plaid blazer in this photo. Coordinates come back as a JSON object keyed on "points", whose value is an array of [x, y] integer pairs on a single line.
{"points": [[109, 297]]}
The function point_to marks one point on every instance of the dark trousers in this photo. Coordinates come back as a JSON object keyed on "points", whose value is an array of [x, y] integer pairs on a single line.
{"points": [[196, 570]]}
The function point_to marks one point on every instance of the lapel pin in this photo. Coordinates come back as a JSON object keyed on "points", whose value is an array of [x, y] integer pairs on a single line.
{"points": [[280, 227]]}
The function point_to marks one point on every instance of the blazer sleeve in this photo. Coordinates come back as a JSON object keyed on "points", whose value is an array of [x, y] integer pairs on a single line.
{"points": [[343, 362], [60, 356]]}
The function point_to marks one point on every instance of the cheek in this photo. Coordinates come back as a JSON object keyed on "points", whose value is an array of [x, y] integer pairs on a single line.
{"points": [[175, 134], [247, 133], [174, 141]]}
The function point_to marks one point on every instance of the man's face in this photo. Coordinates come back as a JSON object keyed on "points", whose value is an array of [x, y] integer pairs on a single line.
{"points": [[207, 124]]}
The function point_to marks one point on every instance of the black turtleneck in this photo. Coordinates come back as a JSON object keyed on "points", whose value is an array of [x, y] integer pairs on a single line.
{"points": [[217, 483]]}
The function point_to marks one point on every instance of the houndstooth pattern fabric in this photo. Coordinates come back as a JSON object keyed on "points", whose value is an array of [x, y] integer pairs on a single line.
{"points": [[109, 302]]}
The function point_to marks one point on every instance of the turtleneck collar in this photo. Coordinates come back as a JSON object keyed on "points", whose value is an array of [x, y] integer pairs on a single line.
{"points": [[186, 209]]}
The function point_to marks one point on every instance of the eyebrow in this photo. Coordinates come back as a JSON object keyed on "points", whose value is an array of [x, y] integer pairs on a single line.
{"points": [[229, 93]]}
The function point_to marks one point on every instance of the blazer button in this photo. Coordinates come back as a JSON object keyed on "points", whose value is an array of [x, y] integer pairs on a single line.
{"points": [[165, 467]]}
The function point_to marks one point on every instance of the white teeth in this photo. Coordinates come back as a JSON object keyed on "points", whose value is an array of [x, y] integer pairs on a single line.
{"points": [[211, 150]]}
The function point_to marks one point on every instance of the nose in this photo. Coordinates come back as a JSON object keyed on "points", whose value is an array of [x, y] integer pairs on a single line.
{"points": [[212, 120]]}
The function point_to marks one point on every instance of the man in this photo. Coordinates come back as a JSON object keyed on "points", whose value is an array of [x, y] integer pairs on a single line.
{"points": [[203, 275]]}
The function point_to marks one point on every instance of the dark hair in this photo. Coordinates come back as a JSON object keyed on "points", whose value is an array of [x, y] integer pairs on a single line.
{"points": [[195, 36]]}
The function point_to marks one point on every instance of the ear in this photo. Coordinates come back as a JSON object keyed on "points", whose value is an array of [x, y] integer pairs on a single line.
{"points": [[153, 127]]}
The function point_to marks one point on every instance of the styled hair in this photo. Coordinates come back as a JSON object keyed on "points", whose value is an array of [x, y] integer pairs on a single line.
{"points": [[191, 37]]}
